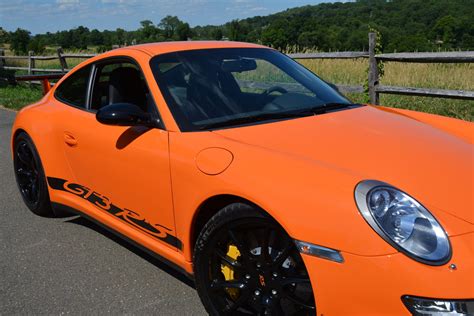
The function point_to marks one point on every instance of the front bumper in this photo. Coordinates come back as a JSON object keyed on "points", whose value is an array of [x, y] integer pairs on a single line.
{"points": [[375, 285]]}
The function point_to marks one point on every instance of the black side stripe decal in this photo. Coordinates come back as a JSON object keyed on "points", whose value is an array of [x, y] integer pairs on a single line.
{"points": [[130, 217]]}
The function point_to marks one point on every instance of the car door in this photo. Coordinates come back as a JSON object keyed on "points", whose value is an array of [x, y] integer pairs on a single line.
{"points": [[123, 171]]}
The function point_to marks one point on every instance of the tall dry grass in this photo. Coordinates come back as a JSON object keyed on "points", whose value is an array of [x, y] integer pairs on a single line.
{"points": [[435, 76]]}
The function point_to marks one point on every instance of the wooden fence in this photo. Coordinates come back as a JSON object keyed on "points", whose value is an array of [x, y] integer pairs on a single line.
{"points": [[61, 56], [374, 86]]}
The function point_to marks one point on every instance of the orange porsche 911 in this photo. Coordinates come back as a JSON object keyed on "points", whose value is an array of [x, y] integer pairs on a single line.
{"points": [[258, 179]]}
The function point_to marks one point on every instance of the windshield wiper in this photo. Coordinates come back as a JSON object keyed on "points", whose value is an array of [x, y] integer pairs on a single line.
{"points": [[319, 109], [331, 106]]}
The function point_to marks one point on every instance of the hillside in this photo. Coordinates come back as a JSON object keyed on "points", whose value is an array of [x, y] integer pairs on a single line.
{"points": [[405, 25]]}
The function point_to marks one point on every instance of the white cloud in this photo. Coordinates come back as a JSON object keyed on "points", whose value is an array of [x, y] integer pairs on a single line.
{"points": [[114, 1], [67, 1], [64, 5]]}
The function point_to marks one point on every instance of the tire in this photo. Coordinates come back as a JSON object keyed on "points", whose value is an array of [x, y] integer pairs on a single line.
{"points": [[30, 177], [235, 276]]}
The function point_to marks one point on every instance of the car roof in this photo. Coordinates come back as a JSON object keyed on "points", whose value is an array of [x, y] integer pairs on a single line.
{"points": [[153, 49]]}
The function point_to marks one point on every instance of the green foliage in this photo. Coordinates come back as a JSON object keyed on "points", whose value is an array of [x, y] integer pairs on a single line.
{"points": [[237, 30], [16, 97], [380, 64], [19, 41], [183, 31], [378, 50], [405, 25], [169, 25], [4, 35], [217, 34], [37, 46]]}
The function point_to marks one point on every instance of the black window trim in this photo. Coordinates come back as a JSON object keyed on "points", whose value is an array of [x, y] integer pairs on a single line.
{"points": [[91, 80], [83, 108]]}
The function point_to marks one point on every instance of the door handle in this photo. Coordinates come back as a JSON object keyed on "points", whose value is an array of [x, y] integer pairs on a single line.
{"points": [[70, 139]]}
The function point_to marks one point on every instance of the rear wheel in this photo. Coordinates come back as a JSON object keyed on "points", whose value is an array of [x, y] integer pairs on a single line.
{"points": [[30, 176], [246, 264]]}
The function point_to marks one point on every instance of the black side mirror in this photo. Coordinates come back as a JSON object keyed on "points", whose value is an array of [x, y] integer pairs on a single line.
{"points": [[124, 114], [332, 85]]}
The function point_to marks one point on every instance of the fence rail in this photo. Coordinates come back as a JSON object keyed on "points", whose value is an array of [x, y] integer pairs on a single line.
{"points": [[374, 87], [333, 55]]}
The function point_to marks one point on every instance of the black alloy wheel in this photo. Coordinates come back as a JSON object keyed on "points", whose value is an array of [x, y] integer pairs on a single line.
{"points": [[30, 176], [246, 264]]}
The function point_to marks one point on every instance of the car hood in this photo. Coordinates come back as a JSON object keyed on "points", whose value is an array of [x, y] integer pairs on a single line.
{"points": [[433, 166]]}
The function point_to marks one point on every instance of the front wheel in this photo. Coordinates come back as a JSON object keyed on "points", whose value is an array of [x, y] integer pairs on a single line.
{"points": [[246, 264]]}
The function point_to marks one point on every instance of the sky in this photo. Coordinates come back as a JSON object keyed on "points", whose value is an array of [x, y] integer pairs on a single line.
{"points": [[40, 16]]}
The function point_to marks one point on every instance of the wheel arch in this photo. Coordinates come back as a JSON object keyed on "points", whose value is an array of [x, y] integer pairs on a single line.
{"points": [[210, 207], [16, 132]]}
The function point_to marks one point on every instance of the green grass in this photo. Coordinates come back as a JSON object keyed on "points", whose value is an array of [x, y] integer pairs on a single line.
{"points": [[16, 97]]}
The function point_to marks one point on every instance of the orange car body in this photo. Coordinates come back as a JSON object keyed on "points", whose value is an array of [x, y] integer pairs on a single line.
{"points": [[157, 187]]}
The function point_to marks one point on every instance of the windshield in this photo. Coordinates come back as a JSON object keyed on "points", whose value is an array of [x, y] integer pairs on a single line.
{"points": [[230, 86]]}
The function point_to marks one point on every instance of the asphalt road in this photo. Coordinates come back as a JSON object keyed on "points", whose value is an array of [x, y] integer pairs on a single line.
{"points": [[70, 265]]}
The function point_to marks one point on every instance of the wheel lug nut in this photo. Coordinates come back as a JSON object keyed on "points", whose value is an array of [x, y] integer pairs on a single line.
{"points": [[274, 292], [275, 274], [257, 293], [247, 276], [259, 265]]}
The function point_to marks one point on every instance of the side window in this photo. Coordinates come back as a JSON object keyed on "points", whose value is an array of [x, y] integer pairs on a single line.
{"points": [[120, 82], [73, 90]]}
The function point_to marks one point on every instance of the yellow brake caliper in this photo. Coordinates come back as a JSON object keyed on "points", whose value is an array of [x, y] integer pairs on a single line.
{"points": [[228, 271]]}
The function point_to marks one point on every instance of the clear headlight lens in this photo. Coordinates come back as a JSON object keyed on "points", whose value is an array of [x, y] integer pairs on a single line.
{"points": [[403, 222]]}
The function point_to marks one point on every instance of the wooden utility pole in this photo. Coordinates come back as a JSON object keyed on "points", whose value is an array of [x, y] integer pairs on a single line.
{"points": [[2, 60], [31, 62], [62, 60], [373, 70]]}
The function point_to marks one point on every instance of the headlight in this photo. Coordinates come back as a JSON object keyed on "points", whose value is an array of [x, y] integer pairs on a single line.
{"points": [[403, 222]]}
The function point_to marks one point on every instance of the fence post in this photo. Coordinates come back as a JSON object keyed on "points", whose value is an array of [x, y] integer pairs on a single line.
{"points": [[62, 60], [373, 70], [31, 62], [2, 60]]}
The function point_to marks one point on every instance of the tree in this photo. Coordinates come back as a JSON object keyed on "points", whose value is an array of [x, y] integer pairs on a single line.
{"points": [[445, 29], [169, 24], [405, 25], [96, 38], [36, 45], [236, 31], [217, 34], [148, 32], [183, 31], [3, 36], [120, 36], [277, 34], [19, 41]]}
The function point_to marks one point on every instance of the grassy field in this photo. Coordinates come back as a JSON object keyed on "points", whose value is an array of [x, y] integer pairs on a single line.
{"points": [[441, 76]]}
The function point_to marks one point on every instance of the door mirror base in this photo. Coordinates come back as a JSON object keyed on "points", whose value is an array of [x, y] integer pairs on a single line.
{"points": [[124, 114]]}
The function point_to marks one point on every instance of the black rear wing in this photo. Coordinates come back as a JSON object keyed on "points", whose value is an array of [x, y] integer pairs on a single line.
{"points": [[44, 78]]}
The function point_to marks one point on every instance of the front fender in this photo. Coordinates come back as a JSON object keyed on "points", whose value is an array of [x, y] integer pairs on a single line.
{"points": [[313, 202], [455, 127]]}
